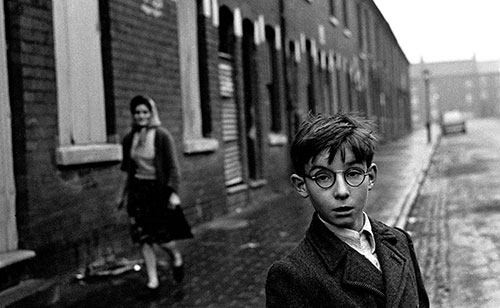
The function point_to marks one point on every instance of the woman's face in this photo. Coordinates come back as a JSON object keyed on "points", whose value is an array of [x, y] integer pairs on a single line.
{"points": [[142, 115]]}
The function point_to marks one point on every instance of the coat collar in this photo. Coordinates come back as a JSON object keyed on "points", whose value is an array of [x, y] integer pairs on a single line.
{"points": [[338, 256], [395, 265]]}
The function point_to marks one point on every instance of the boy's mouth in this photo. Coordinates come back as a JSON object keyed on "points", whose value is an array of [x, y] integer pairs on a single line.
{"points": [[343, 209]]}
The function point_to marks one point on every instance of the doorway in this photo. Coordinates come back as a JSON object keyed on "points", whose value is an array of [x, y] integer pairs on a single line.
{"points": [[250, 88]]}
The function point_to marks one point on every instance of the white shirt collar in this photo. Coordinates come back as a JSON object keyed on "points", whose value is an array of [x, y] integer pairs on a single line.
{"points": [[349, 235]]}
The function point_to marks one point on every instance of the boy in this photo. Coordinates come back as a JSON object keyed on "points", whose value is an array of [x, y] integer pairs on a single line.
{"points": [[346, 259]]}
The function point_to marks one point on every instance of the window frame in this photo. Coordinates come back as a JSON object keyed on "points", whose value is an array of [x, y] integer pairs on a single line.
{"points": [[332, 8], [82, 113], [191, 15]]}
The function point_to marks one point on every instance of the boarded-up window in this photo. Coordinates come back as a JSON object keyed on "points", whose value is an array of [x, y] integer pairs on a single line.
{"points": [[8, 231], [233, 169], [80, 86]]}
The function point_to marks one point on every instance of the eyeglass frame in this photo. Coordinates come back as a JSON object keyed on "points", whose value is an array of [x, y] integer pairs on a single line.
{"points": [[365, 173]]}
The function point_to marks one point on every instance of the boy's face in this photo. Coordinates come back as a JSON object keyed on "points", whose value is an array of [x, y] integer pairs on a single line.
{"points": [[341, 204]]}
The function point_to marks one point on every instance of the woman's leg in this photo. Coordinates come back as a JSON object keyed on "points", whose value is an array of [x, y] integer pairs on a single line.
{"points": [[174, 252], [177, 262], [150, 259]]}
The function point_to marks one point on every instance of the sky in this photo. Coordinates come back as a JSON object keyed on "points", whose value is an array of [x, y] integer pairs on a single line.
{"points": [[445, 30]]}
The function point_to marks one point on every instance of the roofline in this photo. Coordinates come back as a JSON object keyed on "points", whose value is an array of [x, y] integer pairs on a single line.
{"points": [[381, 16]]}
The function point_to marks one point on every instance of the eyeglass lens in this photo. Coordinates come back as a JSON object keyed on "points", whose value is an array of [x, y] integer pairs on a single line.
{"points": [[326, 178]]}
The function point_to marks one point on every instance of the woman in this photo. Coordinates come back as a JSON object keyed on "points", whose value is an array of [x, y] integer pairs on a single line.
{"points": [[151, 189]]}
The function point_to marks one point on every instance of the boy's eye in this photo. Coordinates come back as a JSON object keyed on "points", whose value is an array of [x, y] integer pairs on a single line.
{"points": [[352, 173], [323, 177]]}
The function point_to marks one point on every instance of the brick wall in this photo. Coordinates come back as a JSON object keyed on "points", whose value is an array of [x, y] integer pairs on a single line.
{"points": [[69, 213]]}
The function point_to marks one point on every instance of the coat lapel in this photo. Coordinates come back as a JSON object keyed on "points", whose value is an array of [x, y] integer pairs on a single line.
{"points": [[394, 265], [357, 271], [360, 273]]}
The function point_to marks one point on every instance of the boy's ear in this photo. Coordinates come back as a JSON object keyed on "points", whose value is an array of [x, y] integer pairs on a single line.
{"points": [[299, 184], [372, 173]]}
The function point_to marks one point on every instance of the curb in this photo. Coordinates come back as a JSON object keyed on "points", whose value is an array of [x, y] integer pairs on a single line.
{"points": [[402, 218]]}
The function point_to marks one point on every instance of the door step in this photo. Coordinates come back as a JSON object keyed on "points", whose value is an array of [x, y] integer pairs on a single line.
{"points": [[16, 290], [31, 293], [13, 267]]}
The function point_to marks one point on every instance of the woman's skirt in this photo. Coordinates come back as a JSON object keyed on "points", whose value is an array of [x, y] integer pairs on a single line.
{"points": [[155, 221]]}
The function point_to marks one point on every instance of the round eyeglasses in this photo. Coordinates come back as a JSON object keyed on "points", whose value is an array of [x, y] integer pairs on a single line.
{"points": [[325, 178]]}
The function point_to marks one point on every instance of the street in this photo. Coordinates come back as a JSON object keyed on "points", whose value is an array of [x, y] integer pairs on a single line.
{"points": [[456, 217], [453, 223]]}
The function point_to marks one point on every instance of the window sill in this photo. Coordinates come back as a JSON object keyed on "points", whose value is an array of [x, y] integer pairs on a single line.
{"points": [[334, 21], [236, 189], [15, 256], [347, 33], [86, 154], [258, 183], [277, 139], [204, 145]]}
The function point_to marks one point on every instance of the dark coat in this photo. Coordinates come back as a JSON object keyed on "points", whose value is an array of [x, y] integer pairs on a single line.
{"points": [[323, 271], [165, 160]]}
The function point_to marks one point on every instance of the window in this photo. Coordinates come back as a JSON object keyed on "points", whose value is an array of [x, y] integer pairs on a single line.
{"points": [[468, 98], [484, 81], [333, 9], [194, 90], [483, 94], [311, 86], [368, 32], [345, 13], [272, 79], [377, 42], [80, 84], [8, 229], [333, 12], [360, 27], [226, 31]]}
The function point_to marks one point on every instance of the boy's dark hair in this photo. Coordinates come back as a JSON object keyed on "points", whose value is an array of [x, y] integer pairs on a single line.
{"points": [[334, 133]]}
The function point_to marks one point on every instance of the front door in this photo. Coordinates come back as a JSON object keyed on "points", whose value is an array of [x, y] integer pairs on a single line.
{"points": [[251, 101], [8, 230]]}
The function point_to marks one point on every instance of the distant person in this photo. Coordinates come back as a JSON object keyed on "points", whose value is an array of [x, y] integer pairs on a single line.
{"points": [[151, 189], [346, 259]]}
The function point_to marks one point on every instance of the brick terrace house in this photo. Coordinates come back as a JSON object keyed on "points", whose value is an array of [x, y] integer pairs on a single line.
{"points": [[468, 85], [232, 80]]}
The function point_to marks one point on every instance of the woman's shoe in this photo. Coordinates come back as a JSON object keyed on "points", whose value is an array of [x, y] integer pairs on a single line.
{"points": [[178, 272], [149, 291]]}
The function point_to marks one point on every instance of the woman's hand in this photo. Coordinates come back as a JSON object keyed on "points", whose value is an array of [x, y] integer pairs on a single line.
{"points": [[122, 201], [174, 200]]}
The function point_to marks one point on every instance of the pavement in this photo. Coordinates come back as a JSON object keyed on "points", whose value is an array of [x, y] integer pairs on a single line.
{"points": [[227, 261]]}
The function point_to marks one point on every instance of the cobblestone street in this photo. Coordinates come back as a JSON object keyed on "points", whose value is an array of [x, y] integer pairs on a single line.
{"points": [[429, 228], [455, 220]]}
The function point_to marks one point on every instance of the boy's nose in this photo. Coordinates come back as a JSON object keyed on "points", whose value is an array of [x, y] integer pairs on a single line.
{"points": [[340, 188]]}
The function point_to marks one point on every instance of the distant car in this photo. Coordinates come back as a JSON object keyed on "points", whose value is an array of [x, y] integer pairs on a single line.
{"points": [[453, 122]]}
